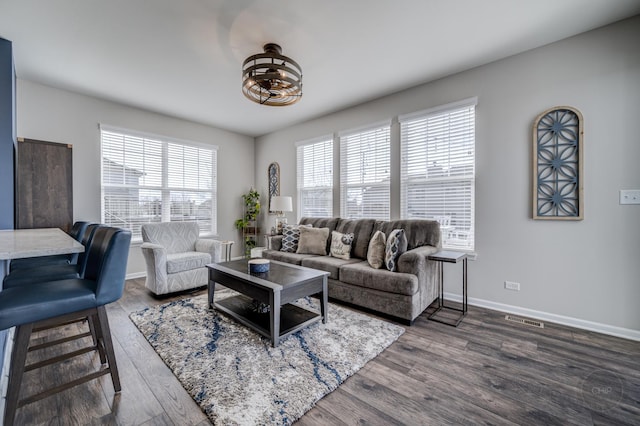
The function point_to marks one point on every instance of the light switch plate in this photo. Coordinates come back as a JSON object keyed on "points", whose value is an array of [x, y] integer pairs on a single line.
{"points": [[630, 196]]}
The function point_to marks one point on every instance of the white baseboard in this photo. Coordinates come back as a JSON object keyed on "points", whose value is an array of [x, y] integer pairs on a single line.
{"points": [[136, 275], [625, 333]]}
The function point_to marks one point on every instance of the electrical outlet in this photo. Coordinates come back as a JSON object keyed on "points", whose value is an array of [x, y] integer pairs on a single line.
{"points": [[630, 196], [510, 285]]}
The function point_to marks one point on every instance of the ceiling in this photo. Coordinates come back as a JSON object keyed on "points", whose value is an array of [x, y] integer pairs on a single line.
{"points": [[183, 58]]}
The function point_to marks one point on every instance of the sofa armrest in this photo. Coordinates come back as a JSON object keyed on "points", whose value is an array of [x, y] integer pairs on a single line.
{"points": [[428, 271], [213, 247], [274, 242]]}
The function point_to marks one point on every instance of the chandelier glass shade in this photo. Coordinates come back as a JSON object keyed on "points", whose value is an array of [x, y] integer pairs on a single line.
{"points": [[271, 78]]}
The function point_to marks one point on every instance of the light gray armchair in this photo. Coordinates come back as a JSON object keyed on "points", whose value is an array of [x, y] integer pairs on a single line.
{"points": [[176, 257]]}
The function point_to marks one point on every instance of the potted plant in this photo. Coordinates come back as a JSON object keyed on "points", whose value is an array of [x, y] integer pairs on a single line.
{"points": [[247, 224]]}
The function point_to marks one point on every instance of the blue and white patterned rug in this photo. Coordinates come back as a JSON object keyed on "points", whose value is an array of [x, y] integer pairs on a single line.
{"points": [[237, 378]]}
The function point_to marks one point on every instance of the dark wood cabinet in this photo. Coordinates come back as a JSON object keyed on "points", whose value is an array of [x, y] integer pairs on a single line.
{"points": [[44, 187]]}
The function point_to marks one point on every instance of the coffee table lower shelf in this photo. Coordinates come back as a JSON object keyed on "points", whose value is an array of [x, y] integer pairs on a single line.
{"points": [[292, 317]]}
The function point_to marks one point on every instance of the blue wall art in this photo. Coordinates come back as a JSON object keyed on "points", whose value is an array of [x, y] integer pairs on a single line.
{"points": [[557, 164]]}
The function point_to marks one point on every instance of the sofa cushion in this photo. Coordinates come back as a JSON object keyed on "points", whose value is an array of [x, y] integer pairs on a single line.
{"points": [[341, 245], [313, 240], [328, 264], [377, 247], [362, 230], [178, 262], [396, 245], [419, 232], [290, 238], [283, 256], [322, 222], [363, 275]]}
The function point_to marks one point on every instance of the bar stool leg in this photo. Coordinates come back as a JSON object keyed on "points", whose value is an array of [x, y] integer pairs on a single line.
{"points": [[105, 333], [16, 371], [92, 320]]}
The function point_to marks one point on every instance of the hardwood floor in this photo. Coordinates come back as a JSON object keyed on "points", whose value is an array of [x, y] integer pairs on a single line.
{"points": [[486, 371]]}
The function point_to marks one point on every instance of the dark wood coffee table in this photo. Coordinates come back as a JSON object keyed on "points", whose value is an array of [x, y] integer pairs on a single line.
{"points": [[283, 284]]}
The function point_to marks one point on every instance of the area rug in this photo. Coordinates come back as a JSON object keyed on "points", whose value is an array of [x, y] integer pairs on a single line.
{"points": [[235, 375]]}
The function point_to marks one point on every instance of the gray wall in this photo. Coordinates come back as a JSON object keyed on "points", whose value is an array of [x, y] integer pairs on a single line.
{"points": [[577, 272], [56, 115]]}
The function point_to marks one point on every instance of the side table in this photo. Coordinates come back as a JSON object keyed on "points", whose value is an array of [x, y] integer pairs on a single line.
{"points": [[450, 257], [227, 250]]}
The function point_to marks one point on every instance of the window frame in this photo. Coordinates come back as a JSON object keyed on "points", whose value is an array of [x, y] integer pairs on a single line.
{"points": [[456, 235], [163, 187], [300, 174], [345, 186]]}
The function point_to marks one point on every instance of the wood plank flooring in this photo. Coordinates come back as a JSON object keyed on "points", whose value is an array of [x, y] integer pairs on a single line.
{"points": [[486, 371]]}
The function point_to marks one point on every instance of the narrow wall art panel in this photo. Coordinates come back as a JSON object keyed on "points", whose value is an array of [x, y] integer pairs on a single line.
{"points": [[273, 174], [557, 164]]}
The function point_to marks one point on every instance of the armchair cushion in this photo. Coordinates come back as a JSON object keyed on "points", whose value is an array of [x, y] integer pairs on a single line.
{"points": [[178, 262]]}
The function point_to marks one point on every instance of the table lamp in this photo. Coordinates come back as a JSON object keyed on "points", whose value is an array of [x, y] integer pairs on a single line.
{"points": [[279, 205]]}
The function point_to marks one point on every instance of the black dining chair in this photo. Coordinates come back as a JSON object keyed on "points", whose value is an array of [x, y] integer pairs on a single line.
{"points": [[77, 233], [47, 304], [53, 271]]}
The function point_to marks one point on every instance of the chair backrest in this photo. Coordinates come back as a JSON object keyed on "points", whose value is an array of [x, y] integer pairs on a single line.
{"points": [[77, 233], [107, 262], [86, 242], [175, 237], [78, 229]]}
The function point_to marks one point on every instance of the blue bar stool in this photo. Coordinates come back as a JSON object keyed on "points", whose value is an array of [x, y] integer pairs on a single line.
{"points": [[51, 303]]}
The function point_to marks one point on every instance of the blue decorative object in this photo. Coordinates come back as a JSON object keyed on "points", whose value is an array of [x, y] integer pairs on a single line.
{"points": [[557, 166], [258, 266]]}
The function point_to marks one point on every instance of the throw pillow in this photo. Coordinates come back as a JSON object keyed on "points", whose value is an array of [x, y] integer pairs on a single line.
{"points": [[291, 237], [396, 245], [313, 241], [376, 250], [341, 245]]}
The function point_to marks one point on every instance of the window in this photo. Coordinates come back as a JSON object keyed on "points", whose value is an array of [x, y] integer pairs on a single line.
{"points": [[315, 178], [365, 173], [438, 170], [147, 179]]}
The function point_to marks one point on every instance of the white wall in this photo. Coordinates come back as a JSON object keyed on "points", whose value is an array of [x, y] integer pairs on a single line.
{"points": [[587, 270], [56, 115]]}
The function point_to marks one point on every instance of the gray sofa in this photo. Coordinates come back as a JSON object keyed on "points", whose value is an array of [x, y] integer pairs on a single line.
{"points": [[403, 294]]}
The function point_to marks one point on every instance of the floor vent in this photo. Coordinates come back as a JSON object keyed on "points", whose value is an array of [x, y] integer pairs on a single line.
{"points": [[532, 323]]}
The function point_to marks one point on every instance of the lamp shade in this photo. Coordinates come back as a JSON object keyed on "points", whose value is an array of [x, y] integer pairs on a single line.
{"points": [[281, 204]]}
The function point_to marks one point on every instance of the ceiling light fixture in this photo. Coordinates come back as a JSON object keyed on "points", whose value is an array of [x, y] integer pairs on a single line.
{"points": [[271, 78]]}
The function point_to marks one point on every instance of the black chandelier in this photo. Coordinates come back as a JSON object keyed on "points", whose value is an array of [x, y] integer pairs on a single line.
{"points": [[271, 78]]}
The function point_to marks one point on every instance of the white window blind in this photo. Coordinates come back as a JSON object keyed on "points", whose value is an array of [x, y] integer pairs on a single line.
{"points": [[365, 173], [438, 170], [315, 178], [148, 179]]}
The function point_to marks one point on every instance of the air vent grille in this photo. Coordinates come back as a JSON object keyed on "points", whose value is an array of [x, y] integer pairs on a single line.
{"points": [[525, 321]]}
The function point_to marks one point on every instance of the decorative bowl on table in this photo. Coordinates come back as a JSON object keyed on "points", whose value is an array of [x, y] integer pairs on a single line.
{"points": [[258, 266]]}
